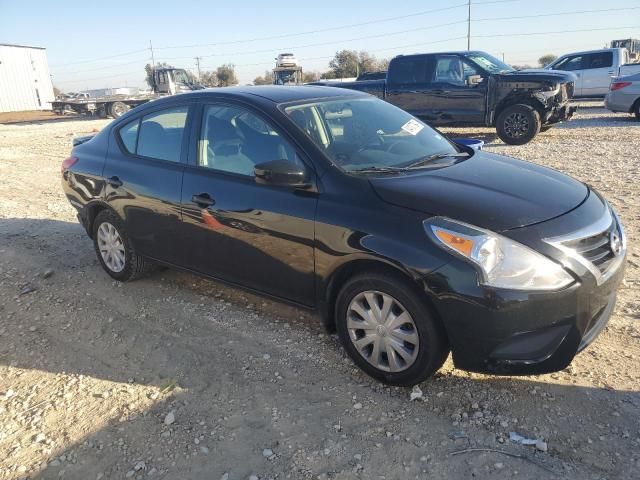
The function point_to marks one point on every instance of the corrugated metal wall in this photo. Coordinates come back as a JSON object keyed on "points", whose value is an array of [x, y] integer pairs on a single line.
{"points": [[25, 82]]}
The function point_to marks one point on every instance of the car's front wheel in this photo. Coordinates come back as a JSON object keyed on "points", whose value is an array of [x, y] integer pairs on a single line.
{"points": [[518, 124], [116, 253], [388, 330]]}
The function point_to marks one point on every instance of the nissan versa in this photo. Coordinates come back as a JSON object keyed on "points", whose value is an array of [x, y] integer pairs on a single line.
{"points": [[410, 245]]}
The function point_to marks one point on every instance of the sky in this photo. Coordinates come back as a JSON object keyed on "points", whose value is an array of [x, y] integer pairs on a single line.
{"points": [[106, 44]]}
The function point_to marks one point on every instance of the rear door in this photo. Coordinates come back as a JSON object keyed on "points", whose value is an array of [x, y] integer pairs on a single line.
{"points": [[457, 91], [408, 83], [572, 63], [143, 172], [258, 236], [596, 74]]}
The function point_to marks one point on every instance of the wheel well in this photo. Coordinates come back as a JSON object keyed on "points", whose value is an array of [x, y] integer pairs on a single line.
{"points": [[509, 102], [92, 213], [357, 267], [635, 105]]}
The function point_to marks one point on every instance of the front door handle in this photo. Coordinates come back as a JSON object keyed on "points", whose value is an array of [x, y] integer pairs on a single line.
{"points": [[115, 182], [203, 200]]}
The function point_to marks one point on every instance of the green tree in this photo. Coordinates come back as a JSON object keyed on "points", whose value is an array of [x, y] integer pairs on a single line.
{"points": [[350, 63], [266, 80], [547, 59], [208, 79], [226, 75], [310, 77]]}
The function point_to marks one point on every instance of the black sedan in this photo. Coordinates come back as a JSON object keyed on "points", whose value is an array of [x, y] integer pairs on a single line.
{"points": [[410, 245]]}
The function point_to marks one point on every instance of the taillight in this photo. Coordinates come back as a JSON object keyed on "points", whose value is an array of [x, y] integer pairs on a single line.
{"points": [[618, 85], [67, 164]]}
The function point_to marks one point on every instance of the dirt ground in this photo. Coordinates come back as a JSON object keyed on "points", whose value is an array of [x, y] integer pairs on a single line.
{"points": [[177, 377], [29, 116]]}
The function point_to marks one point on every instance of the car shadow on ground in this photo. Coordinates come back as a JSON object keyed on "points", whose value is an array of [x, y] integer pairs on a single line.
{"points": [[238, 383]]}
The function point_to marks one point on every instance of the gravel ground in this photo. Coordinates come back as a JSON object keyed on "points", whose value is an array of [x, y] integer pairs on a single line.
{"points": [[177, 377]]}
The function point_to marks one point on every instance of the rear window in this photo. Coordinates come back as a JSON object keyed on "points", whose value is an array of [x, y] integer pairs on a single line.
{"points": [[409, 70], [158, 135]]}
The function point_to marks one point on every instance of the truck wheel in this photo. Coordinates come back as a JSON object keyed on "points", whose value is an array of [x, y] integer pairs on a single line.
{"points": [[117, 109], [518, 124]]}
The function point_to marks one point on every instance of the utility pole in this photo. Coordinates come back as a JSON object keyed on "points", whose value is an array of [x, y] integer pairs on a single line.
{"points": [[153, 60], [197, 59], [469, 27]]}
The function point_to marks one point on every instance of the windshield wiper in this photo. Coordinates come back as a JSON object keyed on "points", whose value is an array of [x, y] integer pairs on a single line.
{"points": [[378, 170], [436, 156]]}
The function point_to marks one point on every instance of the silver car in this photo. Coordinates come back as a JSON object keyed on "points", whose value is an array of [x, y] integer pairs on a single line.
{"points": [[624, 95]]}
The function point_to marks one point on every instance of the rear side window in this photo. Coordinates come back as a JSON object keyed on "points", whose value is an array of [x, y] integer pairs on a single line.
{"points": [[598, 60], [409, 70], [158, 135], [129, 135]]}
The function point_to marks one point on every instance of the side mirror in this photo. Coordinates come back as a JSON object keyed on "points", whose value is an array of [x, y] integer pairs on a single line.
{"points": [[474, 79], [282, 173]]}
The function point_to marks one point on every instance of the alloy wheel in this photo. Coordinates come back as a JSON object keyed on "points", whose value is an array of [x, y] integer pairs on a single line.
{"points": [[111, 247], [382, 331], [516, 125]]}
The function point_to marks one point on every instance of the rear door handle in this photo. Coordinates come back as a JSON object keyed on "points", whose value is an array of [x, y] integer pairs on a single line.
{"points": [[115, 182], [203, 200]]}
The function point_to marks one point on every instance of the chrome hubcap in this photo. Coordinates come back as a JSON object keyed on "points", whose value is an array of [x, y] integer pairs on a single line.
{"points": [[516, 125], [111, 247], [382, 331]]}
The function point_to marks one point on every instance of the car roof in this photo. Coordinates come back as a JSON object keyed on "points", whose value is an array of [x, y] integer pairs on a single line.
{"points": [[453, 52], [276, 93]]}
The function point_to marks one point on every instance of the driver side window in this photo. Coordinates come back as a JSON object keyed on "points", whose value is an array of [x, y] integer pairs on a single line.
{"points": [[235, 140]]}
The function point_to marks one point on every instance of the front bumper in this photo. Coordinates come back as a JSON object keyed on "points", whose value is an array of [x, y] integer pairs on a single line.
{"points": [[511, 332], [560, 113]]}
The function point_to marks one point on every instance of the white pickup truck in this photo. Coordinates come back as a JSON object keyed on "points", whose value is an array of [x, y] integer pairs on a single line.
{"points": [[595, 68]]}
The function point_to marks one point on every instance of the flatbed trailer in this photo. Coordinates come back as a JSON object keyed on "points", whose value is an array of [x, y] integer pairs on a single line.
{"points": [[112, 105], [166, 81]]}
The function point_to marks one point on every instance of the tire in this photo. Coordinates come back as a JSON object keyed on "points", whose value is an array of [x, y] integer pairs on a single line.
{"points": [[518, 124], [132, 265], [636, 110], [426, 347], [117, 109]]}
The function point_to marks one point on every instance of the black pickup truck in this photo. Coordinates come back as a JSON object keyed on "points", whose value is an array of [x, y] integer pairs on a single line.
{"points": [[474, 88]]}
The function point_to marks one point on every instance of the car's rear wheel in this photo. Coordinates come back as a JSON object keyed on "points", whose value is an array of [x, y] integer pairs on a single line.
{"points": [[388, 330], [117, 109], [636, 110], [518, 124], [116, 253]]}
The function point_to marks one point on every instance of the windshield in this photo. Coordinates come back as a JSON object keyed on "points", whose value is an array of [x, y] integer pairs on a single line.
{"points": [[489, 63], [180, 76], [361, 134]]}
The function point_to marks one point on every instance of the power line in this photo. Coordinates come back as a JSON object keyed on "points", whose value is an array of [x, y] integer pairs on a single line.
{"points": [[329, 29], [555, 14], [101, 58], [555, 32]]}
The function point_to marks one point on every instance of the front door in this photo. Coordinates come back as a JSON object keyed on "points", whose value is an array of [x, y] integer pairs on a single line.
{"points": [[253, 235], [573, 63], [457, 92], [143, 174]]}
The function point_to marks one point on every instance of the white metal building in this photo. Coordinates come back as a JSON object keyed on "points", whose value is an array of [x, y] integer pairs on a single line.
{"points": [[25, 81]]}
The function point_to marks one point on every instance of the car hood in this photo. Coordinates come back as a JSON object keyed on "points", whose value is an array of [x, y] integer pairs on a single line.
{"points": [[487, 190], [539, 74]]}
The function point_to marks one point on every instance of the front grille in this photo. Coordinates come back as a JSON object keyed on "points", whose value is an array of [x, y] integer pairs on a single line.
{"points": [[599, 247], [596, 249]]}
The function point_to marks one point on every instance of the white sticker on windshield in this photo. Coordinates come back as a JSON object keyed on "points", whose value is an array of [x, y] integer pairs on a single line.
{"points": [[412, 127]]}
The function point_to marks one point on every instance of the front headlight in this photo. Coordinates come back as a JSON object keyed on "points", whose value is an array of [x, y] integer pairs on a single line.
{"points": [[501, 262]]}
